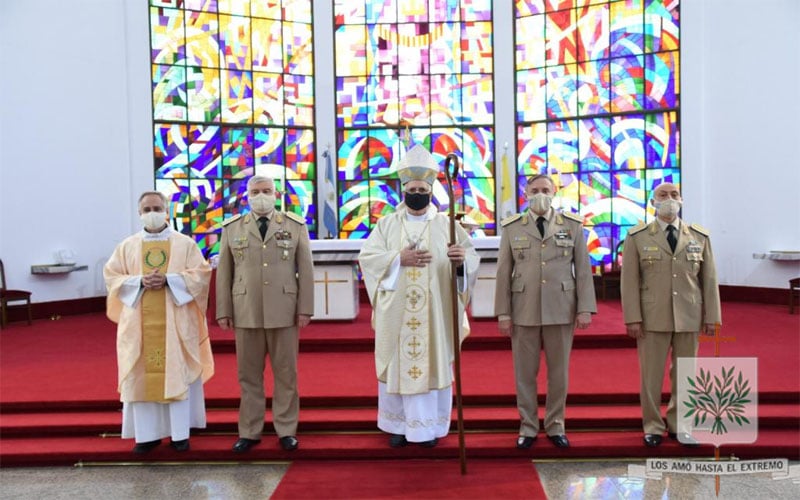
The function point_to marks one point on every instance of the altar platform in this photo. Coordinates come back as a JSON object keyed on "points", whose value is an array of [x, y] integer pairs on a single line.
{"points": [[336, 278]]}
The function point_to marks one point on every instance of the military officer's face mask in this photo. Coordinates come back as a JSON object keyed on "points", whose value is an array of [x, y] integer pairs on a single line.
{"points": [[668, 208], [262, 203], [153, 221], [540, 203]]}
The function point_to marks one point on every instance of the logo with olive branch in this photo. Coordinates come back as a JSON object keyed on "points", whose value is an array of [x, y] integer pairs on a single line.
{"points": [[721, 398]]}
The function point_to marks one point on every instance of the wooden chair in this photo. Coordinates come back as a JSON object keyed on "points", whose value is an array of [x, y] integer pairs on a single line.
{"points": [[7, 296], [794, 293], [612, 279]]}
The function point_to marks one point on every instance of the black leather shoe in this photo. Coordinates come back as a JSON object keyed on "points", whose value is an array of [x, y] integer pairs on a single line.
{"points": [[182, 445], [560, 441], [429, 444], [684, 438], [397, 441], [652, 440], [289, 443], [146, 446], [243, 444], [525, 442]]}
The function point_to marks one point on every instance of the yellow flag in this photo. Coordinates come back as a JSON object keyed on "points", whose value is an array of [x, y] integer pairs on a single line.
{"points": [[508, 189]]}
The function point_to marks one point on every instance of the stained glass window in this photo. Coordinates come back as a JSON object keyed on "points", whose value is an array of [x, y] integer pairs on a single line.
{"points": [[412, 72], [597, 106], [233, 96]]}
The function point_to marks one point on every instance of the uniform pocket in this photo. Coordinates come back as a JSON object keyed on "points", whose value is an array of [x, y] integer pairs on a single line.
{"points": [[568, 285], [238, 289], [650, 255], [518, 286], [290, 288]]}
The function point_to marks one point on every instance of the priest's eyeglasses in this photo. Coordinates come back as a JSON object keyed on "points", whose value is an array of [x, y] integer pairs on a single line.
{"points": [[418, 191]]}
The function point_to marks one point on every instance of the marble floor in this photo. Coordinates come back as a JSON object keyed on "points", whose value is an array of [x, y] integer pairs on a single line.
{"points": [[561, 479]]}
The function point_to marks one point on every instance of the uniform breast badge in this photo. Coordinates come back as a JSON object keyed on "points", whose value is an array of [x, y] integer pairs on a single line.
{"points": [[239, 244], [285, 243]]}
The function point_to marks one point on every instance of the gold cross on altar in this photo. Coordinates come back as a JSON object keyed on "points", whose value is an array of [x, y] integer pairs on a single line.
{"points": [[415, 372], [326, 281], [413, 323], [716, 339]]}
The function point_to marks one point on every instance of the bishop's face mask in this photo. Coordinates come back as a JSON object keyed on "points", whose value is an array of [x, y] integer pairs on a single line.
{"points": [[417, 201], [153, 221]]}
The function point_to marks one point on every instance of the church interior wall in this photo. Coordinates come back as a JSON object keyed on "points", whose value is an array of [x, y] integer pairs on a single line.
{"points": [[75, 133]]}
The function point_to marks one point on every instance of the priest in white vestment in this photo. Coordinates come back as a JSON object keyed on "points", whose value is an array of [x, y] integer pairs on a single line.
{"points": [[157, 282], [406, 264]]}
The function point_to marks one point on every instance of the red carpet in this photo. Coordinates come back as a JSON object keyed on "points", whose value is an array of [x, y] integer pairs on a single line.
{"points": [[58, 397], [411, 479]]}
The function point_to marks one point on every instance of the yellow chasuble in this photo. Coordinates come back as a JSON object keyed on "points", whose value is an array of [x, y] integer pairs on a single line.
{"points": [[155, 255]]}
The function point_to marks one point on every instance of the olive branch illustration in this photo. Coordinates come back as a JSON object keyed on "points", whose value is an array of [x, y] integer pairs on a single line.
{"points": [[718, 398]]}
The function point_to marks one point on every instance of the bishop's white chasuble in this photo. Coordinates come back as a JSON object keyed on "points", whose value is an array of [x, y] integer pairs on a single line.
{"points": [[412, 319]]}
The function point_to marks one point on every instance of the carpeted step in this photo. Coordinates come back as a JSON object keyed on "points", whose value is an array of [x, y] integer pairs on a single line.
{"points": [[371, 446], [358, 419], [477, 343]]}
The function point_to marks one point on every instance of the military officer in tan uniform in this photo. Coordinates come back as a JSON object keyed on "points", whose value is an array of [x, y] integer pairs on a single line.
{"points": [[669, 295], [544, 289], [265, 291]]}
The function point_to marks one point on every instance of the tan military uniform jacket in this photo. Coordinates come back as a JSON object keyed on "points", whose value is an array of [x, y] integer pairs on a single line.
{"points": [[666, 292], [543, 281], [265, 284]]}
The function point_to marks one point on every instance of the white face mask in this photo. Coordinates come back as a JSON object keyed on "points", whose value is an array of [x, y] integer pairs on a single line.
{"points": [[262, 203], [540, 203], [668, 208], [153, 221]]}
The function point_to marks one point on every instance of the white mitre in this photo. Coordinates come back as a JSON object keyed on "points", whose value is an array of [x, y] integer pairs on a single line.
{"points": [[418, 165]]}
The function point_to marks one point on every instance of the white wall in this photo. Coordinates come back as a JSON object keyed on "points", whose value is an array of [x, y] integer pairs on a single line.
{"points": [[741, 171], [75, 132], [70, 96]]}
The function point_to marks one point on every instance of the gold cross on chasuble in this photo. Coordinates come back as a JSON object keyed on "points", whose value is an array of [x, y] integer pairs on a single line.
{"points": [[155, 255]]}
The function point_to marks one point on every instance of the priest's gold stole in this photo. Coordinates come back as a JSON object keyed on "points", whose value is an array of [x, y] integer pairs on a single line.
{"points": [[155, 255]]}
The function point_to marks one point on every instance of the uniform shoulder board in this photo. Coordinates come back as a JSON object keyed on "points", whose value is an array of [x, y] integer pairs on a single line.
{"points": [[641, 227], [511, 218], [228, 221], [700, 229], [297, 218], [570, 215]]}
